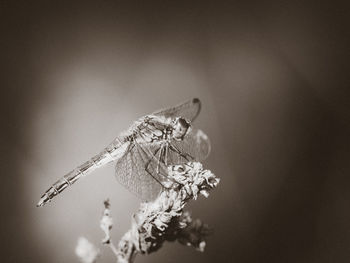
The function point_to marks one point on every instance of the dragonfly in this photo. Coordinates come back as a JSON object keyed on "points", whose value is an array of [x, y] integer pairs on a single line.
{"points": [[144, 152]]}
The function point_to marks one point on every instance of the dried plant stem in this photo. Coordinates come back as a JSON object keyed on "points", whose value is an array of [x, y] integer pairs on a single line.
{"points": [[159, 221], [164, 219], [113, 248]]}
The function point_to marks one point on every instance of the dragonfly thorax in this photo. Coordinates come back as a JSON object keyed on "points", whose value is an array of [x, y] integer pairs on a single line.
{"points": [[157, 129]]}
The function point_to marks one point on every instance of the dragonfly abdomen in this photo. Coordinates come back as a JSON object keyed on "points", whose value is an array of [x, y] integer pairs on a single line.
{"points": [[114, 151]]}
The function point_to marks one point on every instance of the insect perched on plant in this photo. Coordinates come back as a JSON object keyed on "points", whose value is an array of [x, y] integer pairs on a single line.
{"points": [[144, 152]]}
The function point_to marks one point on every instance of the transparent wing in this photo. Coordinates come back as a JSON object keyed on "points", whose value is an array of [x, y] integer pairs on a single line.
{"points": [[194, 147], [156, 167], [141, 171], [188, 110]]}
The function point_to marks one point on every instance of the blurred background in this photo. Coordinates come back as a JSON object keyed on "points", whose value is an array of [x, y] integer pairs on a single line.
{"points": [[273, 78]]}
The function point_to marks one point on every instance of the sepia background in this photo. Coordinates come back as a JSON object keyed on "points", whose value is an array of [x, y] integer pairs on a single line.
{"points": [[273, 79]]}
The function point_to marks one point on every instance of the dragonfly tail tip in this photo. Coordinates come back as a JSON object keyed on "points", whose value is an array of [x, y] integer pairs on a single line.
{"points": [[41, 202]]}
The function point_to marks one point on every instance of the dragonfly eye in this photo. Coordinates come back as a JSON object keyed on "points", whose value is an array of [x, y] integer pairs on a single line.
{"points": [[180, 128]]}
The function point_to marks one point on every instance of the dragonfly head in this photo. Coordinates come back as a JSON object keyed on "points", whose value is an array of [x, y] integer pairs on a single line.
{"points": [[180, 128]]}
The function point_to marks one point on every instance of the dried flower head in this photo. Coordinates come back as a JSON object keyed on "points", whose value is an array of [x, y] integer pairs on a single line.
{"points": [[164, 219]]}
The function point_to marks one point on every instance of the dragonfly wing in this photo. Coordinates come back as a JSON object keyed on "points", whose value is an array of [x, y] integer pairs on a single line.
{"points": [[194, 147], [157, 167], [123, 171], [188, 110], [137, 172]]}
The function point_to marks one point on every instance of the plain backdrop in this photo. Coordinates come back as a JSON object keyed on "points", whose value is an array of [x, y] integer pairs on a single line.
{"points": [[273, 78]]}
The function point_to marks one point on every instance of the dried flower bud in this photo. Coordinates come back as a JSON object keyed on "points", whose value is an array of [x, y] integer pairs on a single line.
{"points": [[106, 223], [86, 251]]}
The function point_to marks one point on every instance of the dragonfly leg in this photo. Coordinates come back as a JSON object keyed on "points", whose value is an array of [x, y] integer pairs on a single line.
{"points": [[159, 172], [186, 156], [166, 155], [189, 165], [149, 162], [159, 159], [166, 181]]}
